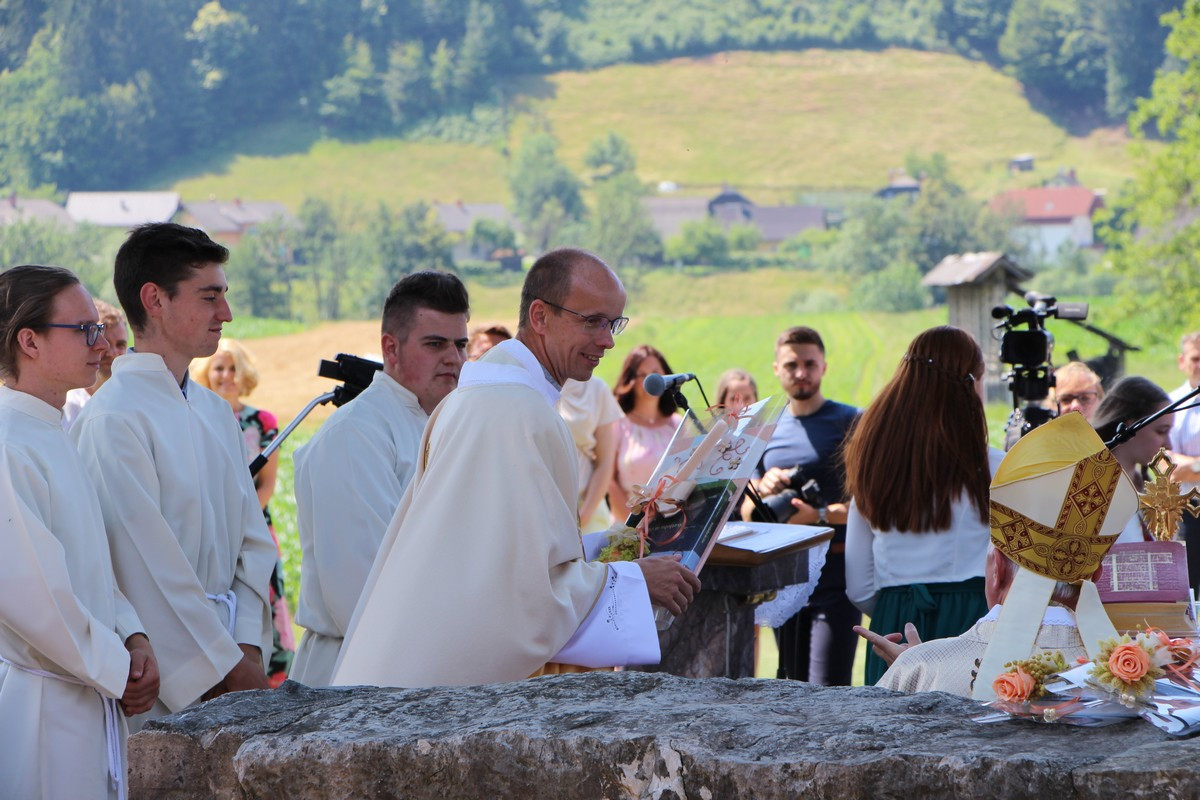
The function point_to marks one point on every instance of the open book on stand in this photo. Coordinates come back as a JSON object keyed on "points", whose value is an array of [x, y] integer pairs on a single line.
{"points": [[748, 544]]}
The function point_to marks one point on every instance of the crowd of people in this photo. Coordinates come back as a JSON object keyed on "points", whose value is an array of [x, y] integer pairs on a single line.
{"points": [[142, 573]]}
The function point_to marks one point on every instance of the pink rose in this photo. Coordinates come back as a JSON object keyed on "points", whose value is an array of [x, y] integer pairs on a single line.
{"points": [[1014, 687], [1129, 662]]}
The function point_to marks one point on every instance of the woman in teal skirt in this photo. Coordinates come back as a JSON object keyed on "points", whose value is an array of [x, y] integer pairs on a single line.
{"points": [[918, 467]]}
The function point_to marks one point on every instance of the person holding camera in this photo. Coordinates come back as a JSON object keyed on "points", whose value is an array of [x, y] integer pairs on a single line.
{"points": [[919, 468], [800, 479], [351, 475]]}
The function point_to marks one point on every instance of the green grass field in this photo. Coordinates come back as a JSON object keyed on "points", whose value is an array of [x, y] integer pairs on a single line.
{"points": [[768, 122]]}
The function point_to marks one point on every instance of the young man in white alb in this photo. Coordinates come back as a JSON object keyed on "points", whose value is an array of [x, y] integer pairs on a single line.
{"points": [[190, 547]]}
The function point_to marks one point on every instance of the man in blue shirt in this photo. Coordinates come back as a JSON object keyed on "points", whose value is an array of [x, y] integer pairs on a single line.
{"points": [[818, 643]]}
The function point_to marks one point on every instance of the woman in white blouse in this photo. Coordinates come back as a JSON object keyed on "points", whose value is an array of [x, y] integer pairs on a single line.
{"points": [[918, 467]]}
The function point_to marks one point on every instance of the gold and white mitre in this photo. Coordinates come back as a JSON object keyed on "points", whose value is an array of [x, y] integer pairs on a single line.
{"points": [[1059, 500]]}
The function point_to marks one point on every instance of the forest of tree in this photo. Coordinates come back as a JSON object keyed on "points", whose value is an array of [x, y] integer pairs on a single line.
{"points": [[99, 95]]}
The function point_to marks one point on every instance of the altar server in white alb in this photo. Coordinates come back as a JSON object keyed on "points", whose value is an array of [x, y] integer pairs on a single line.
{"points": [[73, 655], [351, 475], [190, 547], [481, 576]]}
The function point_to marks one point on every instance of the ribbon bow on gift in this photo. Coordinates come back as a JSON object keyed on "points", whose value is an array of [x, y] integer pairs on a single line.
{"points": [[672, 491], [667, 499]]}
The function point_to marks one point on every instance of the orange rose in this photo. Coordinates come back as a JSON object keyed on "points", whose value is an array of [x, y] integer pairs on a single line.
{"points": [[1129, 662], [1014, 687]]}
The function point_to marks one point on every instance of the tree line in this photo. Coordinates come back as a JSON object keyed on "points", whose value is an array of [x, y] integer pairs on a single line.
{"points": [[100, 95]]}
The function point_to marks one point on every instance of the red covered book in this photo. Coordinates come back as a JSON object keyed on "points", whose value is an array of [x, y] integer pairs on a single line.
{"points": [[1144, 572]]}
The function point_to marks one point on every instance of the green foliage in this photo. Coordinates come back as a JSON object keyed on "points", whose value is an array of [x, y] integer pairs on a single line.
{"points": [[897, 287], [546, 194], [743, 238], [619, 226], [488, 235], [700, 242], [404, 243], [1054, 47], [85, 250], [1135, 49], [352, 98], [610, 155], [1153, 224], [260, 272]]}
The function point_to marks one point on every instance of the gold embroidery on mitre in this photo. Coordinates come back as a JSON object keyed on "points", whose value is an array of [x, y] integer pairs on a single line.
{"points": [[1072, 549]]}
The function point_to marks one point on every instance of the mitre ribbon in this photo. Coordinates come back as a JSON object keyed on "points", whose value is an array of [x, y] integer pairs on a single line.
{"points": [[1059, 500]]}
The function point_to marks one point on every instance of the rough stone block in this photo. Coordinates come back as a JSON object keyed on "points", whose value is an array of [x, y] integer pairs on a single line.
{"points": [[637, 735]]}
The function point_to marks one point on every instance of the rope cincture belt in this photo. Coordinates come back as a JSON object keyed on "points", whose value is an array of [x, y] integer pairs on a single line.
{"points": [[230, 600], [112, 729]]}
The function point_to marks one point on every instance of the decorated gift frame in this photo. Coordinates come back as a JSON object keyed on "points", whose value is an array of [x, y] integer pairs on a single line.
{"points": [[697, 484]]}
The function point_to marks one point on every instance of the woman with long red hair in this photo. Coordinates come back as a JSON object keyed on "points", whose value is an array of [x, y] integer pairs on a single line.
{"points": [[918, 467]]}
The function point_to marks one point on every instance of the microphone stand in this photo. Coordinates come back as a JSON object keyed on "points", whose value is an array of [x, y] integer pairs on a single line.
{"points": [[1124, 432]]}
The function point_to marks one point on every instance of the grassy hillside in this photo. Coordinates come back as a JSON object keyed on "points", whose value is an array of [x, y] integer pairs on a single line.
{"points": [[770, 122]]}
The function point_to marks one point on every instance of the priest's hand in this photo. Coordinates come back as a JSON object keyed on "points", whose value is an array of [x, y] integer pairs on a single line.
{"points": [[247, 673], [141, 688], [671, 585], [889, 647]]}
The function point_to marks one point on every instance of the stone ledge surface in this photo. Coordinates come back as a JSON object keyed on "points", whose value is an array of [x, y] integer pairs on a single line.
{"points": [[637, 735]]}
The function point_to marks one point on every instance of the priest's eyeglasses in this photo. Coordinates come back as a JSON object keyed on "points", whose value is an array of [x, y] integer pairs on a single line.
{"points": [[90, 330], [594, 322]]}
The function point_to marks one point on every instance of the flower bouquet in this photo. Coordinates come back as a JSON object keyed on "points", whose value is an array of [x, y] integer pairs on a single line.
{"points": [[1150, 675]]}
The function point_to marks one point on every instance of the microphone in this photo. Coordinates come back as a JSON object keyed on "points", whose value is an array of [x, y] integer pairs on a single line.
{"points": [[656, 385]]}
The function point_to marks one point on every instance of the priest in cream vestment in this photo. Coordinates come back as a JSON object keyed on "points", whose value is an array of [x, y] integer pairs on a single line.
{"points": [[351, 475], [66, 631], [481, 576]]}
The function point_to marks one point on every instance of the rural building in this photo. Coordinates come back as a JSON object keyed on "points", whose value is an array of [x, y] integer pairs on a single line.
{"points": [[975, 283], [730, 207], [1048, 217], [228, 222], [122, 209], [29, 209], [457, 218], [900, 184]]}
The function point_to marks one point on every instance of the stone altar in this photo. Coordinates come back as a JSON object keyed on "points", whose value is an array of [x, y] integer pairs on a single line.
{"points": [[638, 735]]}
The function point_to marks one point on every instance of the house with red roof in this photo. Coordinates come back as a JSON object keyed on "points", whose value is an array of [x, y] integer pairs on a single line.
{"points": [[1047, 217]]}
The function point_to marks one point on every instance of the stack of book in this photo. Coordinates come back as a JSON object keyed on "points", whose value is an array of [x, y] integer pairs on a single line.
{"points": [[1145, 585]]}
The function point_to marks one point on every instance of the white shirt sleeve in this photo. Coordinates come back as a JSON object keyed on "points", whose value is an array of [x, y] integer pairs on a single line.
{"points": [[860, 561], [620, 629]]}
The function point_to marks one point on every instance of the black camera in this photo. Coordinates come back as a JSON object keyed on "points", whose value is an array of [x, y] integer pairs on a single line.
{"points": [[354, 372], [1026, 347], [795, 487]]}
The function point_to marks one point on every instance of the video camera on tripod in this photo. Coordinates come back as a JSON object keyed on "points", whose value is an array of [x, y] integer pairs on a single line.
{"points": [[354, 372], [1026, 346], [356, 375]]}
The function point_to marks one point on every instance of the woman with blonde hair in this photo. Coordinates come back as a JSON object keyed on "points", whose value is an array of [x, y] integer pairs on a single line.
{"points": [[918, 467], [232, 373]]}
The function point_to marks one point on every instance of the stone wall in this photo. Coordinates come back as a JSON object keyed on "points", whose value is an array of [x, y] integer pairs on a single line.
{"points": [[634, 735]]}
